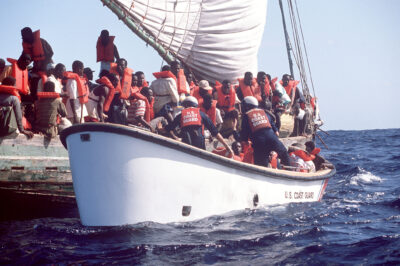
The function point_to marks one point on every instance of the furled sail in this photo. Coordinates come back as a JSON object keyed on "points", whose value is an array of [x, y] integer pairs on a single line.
{"points": [[215, 39]]}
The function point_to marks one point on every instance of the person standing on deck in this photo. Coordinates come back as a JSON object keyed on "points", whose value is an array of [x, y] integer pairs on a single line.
{"points": [[246, 86], [181, 83], [259, 128], [38, 49], [89, 77], [106, 50], [192, 121], [10, 109]]}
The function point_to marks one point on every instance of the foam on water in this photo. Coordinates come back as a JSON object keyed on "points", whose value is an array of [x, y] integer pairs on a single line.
{"points": [[364, 177]]}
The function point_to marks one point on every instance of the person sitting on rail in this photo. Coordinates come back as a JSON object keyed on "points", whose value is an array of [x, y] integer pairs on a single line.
{"points": [[10, 109], [192, 122], [140, 111], [88, 72], [259, 128], [48, 109], [106, 50]]}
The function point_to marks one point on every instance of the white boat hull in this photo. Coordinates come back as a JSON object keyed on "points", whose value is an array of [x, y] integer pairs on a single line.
{"points": [[121, 179]]}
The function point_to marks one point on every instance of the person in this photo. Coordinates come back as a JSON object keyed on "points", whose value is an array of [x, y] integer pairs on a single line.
{"points": [[10, 109], [101, 97], [77, 92], [47, 108], [19, 70], [318, 160], [191, 80], [246, 86], [267, 107], [181, 83], [140, 112], [165, 93], [237, 151], [37, 48], [209, 107], [191, 122], [106, 50], [263, 89], [2, 69], [88, 72], [141, 80], [259, 128], [226, 96], [203, 89]]}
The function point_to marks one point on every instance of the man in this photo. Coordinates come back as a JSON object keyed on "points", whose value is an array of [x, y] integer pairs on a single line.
{"points": [[77, 92], [47, 108], [263, 88], [191, 121], [2, 70], [226, 95], [106, 50], [237, 151], [10, 109], [141, 80], [259, 128], [181, 83], [203, 89], [140, 112], [209, 107], [89, 77], [165, 93], [246, 86], [101, 97], [38, 49]]}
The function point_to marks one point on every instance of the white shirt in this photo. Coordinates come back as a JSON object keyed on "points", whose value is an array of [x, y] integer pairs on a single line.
{"points": [[165, 91], [72, 93], [52, 78]]}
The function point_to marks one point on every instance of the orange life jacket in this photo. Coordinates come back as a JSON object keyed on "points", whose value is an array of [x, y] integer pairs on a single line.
{"points": [[249, 90], [304, 155], [21, 77], [83, 90], [313, 99], [181, 82], [105, 53], [46, 95], [192, 87], [190, 117], [212, 112], [247, 153], [225, 101], [223, 152], [149, 113], [11, 90], [35, 50], [257, 119], [111, 90], [290, 86], [125, 83]]}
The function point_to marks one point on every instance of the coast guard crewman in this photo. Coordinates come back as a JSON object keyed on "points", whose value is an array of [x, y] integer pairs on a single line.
{"points": [[192, 122]]}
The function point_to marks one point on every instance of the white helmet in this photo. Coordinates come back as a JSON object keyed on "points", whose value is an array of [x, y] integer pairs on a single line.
{"points": [[190, 101], [250, 100]]}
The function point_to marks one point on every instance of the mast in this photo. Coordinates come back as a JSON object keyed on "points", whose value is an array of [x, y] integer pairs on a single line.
{"points": [[139, 31], [288, 48]]}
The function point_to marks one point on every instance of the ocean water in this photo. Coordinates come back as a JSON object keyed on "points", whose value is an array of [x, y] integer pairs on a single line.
{"points": [[357, 222]]}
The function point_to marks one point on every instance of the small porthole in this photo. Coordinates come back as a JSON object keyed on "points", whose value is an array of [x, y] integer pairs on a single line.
{"points": [[186, 210], [255, 200], [85, 137]]}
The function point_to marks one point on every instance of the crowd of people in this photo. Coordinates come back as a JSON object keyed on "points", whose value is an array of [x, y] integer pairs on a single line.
{"points": [[46, 98]]}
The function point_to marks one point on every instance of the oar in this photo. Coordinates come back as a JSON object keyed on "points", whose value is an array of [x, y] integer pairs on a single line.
{"points": [[322, 141], [327, 133]]}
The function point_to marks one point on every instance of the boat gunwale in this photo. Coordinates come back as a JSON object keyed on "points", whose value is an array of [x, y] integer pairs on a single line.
{"points": [[183, 147]]}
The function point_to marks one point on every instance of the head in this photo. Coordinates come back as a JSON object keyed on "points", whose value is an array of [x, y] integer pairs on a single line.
{"points": [[27, 35], [310, 146], [285, 79], [226, 86], [9, 81], [50, 69], [175, 67], [204, 87], [190, 101], [248, 78], [140, 78], [88, 72], [59, 71], [189, 77], [77, 67], [146, 91], [113, 79], [166, 68], [49, 86], [237, 147], [207, 101], [23, 61], [249, 102], [267, 105], [261, 76], [104, 37], [121, 65], [103, 73], [2, 64], [135, 80]]}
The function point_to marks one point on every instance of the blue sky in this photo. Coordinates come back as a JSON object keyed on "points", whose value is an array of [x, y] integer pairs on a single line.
{"points": [[353, 48]]}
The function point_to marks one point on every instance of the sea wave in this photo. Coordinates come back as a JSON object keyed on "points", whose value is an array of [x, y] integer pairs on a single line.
{"points": [[364, 177]]}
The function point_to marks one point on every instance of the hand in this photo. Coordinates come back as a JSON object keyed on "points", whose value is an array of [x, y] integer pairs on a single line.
{"points": [[29, 134], [229, 149], [277, 133]]}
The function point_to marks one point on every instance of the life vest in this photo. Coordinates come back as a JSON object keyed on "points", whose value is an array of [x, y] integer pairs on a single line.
{"points": [[35, 50], [273, 160], [290, 86], [181, 82], [25, 123], [304, 155], [225, 101], [192, 87], [83, 90], [313, 99], [248, 153], [21, 77], [111, 90], [47, 95], [105, 53], [257, 119], [212, 112], [223, 152], [149, 114], [11, 90], [196, 94], [249, 90], [190, 117], [125, 83]]}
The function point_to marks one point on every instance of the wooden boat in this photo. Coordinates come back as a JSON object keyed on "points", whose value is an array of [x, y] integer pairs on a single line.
{"points": [[124, 175]]}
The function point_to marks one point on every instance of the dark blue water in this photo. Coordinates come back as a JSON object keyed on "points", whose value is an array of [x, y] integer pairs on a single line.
{"points": [[357, 222]]}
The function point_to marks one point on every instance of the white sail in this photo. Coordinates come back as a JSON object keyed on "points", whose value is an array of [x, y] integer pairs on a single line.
{"points": [[216, 39]]}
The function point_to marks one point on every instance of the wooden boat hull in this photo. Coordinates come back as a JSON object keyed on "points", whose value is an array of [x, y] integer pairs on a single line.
{"points": [[123, 175]]}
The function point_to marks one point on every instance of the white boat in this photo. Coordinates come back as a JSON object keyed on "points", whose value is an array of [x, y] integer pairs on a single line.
{"points": [[123, 175]]}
